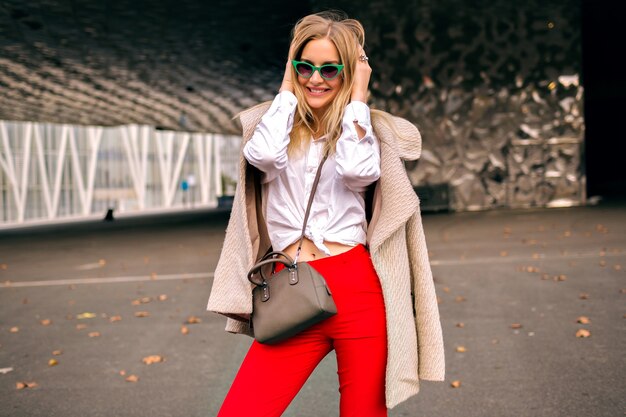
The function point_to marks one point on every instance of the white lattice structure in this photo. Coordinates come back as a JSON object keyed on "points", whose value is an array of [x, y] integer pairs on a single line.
{"points": [[52, 172]]}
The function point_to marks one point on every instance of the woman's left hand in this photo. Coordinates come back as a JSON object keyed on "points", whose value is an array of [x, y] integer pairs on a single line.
{"points": [[362, 74]]}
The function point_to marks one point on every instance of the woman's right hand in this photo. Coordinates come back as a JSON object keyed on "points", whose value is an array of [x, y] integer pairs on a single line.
{"points": [[287, 84]]}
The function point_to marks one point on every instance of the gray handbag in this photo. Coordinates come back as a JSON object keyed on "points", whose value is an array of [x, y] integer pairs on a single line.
{"points": [[297, 297]]}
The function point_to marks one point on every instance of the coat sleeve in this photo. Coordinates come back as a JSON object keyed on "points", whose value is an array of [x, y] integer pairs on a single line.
{"points": [[429, 334], [231, 293]]}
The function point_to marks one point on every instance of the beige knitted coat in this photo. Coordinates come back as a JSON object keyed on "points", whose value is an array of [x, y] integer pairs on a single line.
{"points": [[398, 251]]}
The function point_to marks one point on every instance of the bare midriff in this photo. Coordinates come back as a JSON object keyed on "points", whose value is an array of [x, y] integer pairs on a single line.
{"points": [[310, 252]]}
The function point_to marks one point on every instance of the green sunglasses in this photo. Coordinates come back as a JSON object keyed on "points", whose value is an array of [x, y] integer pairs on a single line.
{"points": [[327, 71]]}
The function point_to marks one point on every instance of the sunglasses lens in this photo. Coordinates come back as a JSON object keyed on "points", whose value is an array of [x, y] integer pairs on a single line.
{"points": [[329, 71], [304, 70]]}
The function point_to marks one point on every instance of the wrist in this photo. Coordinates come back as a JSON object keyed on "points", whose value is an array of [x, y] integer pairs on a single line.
{"points": [[362, 97]]}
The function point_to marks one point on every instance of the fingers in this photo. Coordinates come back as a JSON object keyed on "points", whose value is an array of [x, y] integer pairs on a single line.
{"points": [[287, 84]]}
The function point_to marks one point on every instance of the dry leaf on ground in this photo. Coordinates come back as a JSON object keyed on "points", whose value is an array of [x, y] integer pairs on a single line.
{"points": [[53, 362], [149, 360], [14, 329], [57, 352], [455, 384], [184, 330], [193, 320], [45, 322], [583, 333], [516, 326], [461, 349], [94, 334], [583, 320], [142, 314], [113, 319], [132, 378], [22, 385], [86, 315], [461, 325]]}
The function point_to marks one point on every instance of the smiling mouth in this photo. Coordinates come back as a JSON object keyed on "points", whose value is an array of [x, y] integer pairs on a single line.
{"points": [[317, 91]]}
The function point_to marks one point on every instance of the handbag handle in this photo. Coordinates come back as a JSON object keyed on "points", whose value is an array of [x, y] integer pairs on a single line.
{"points": [[269, 259]]}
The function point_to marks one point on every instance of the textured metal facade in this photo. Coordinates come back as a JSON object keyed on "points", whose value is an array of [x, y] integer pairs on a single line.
{"points": [[493, 85]]}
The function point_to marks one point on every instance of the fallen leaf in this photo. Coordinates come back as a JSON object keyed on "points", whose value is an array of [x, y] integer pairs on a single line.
{"points": [[184, 330], [82, 316], [149, 360], [81, 326], [14, 329], [461, 325], [602, 263], [5, 371], [561, 277], [459, 298], [46, 322], [162, 297], [583, 333], [617, 267], [22, 385], [94, 334], [122, 372], [102, 262], [545, 277], [516, 326], [132, 378], [57, 352], [53, 362], [153, 275], [461, 349], [142, 314], [583, 320], [113, 319], [135, 302], [446, 289], [193, 320], [583, 296], [455, 384]]}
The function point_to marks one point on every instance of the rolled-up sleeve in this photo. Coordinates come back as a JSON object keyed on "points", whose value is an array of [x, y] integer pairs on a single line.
{"points": [[358, 160], [267, 149]]}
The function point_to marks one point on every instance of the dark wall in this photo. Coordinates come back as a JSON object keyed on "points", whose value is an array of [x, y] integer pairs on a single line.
{"points": [[604, 77]]}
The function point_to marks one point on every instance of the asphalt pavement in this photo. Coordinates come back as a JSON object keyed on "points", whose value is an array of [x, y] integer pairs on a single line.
{"points": [[118, 302]]}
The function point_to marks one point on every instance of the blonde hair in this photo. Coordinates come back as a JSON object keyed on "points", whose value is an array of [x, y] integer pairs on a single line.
{"points": [[346, 34]]}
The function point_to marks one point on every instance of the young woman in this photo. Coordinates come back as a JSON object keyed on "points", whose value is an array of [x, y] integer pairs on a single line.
{"points": [[364, 233]]}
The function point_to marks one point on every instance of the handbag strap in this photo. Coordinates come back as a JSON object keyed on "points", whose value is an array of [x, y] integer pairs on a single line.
{"points": [[318, 174], [259, 206]]}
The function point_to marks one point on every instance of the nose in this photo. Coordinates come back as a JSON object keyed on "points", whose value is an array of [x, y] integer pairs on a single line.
{"points": [[316, 77]]}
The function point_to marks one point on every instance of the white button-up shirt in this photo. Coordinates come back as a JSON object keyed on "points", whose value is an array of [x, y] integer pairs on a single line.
{"points": [[338, 209]]}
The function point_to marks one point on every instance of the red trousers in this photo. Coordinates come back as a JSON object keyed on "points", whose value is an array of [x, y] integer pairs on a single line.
{"points": [[271, 375]]}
